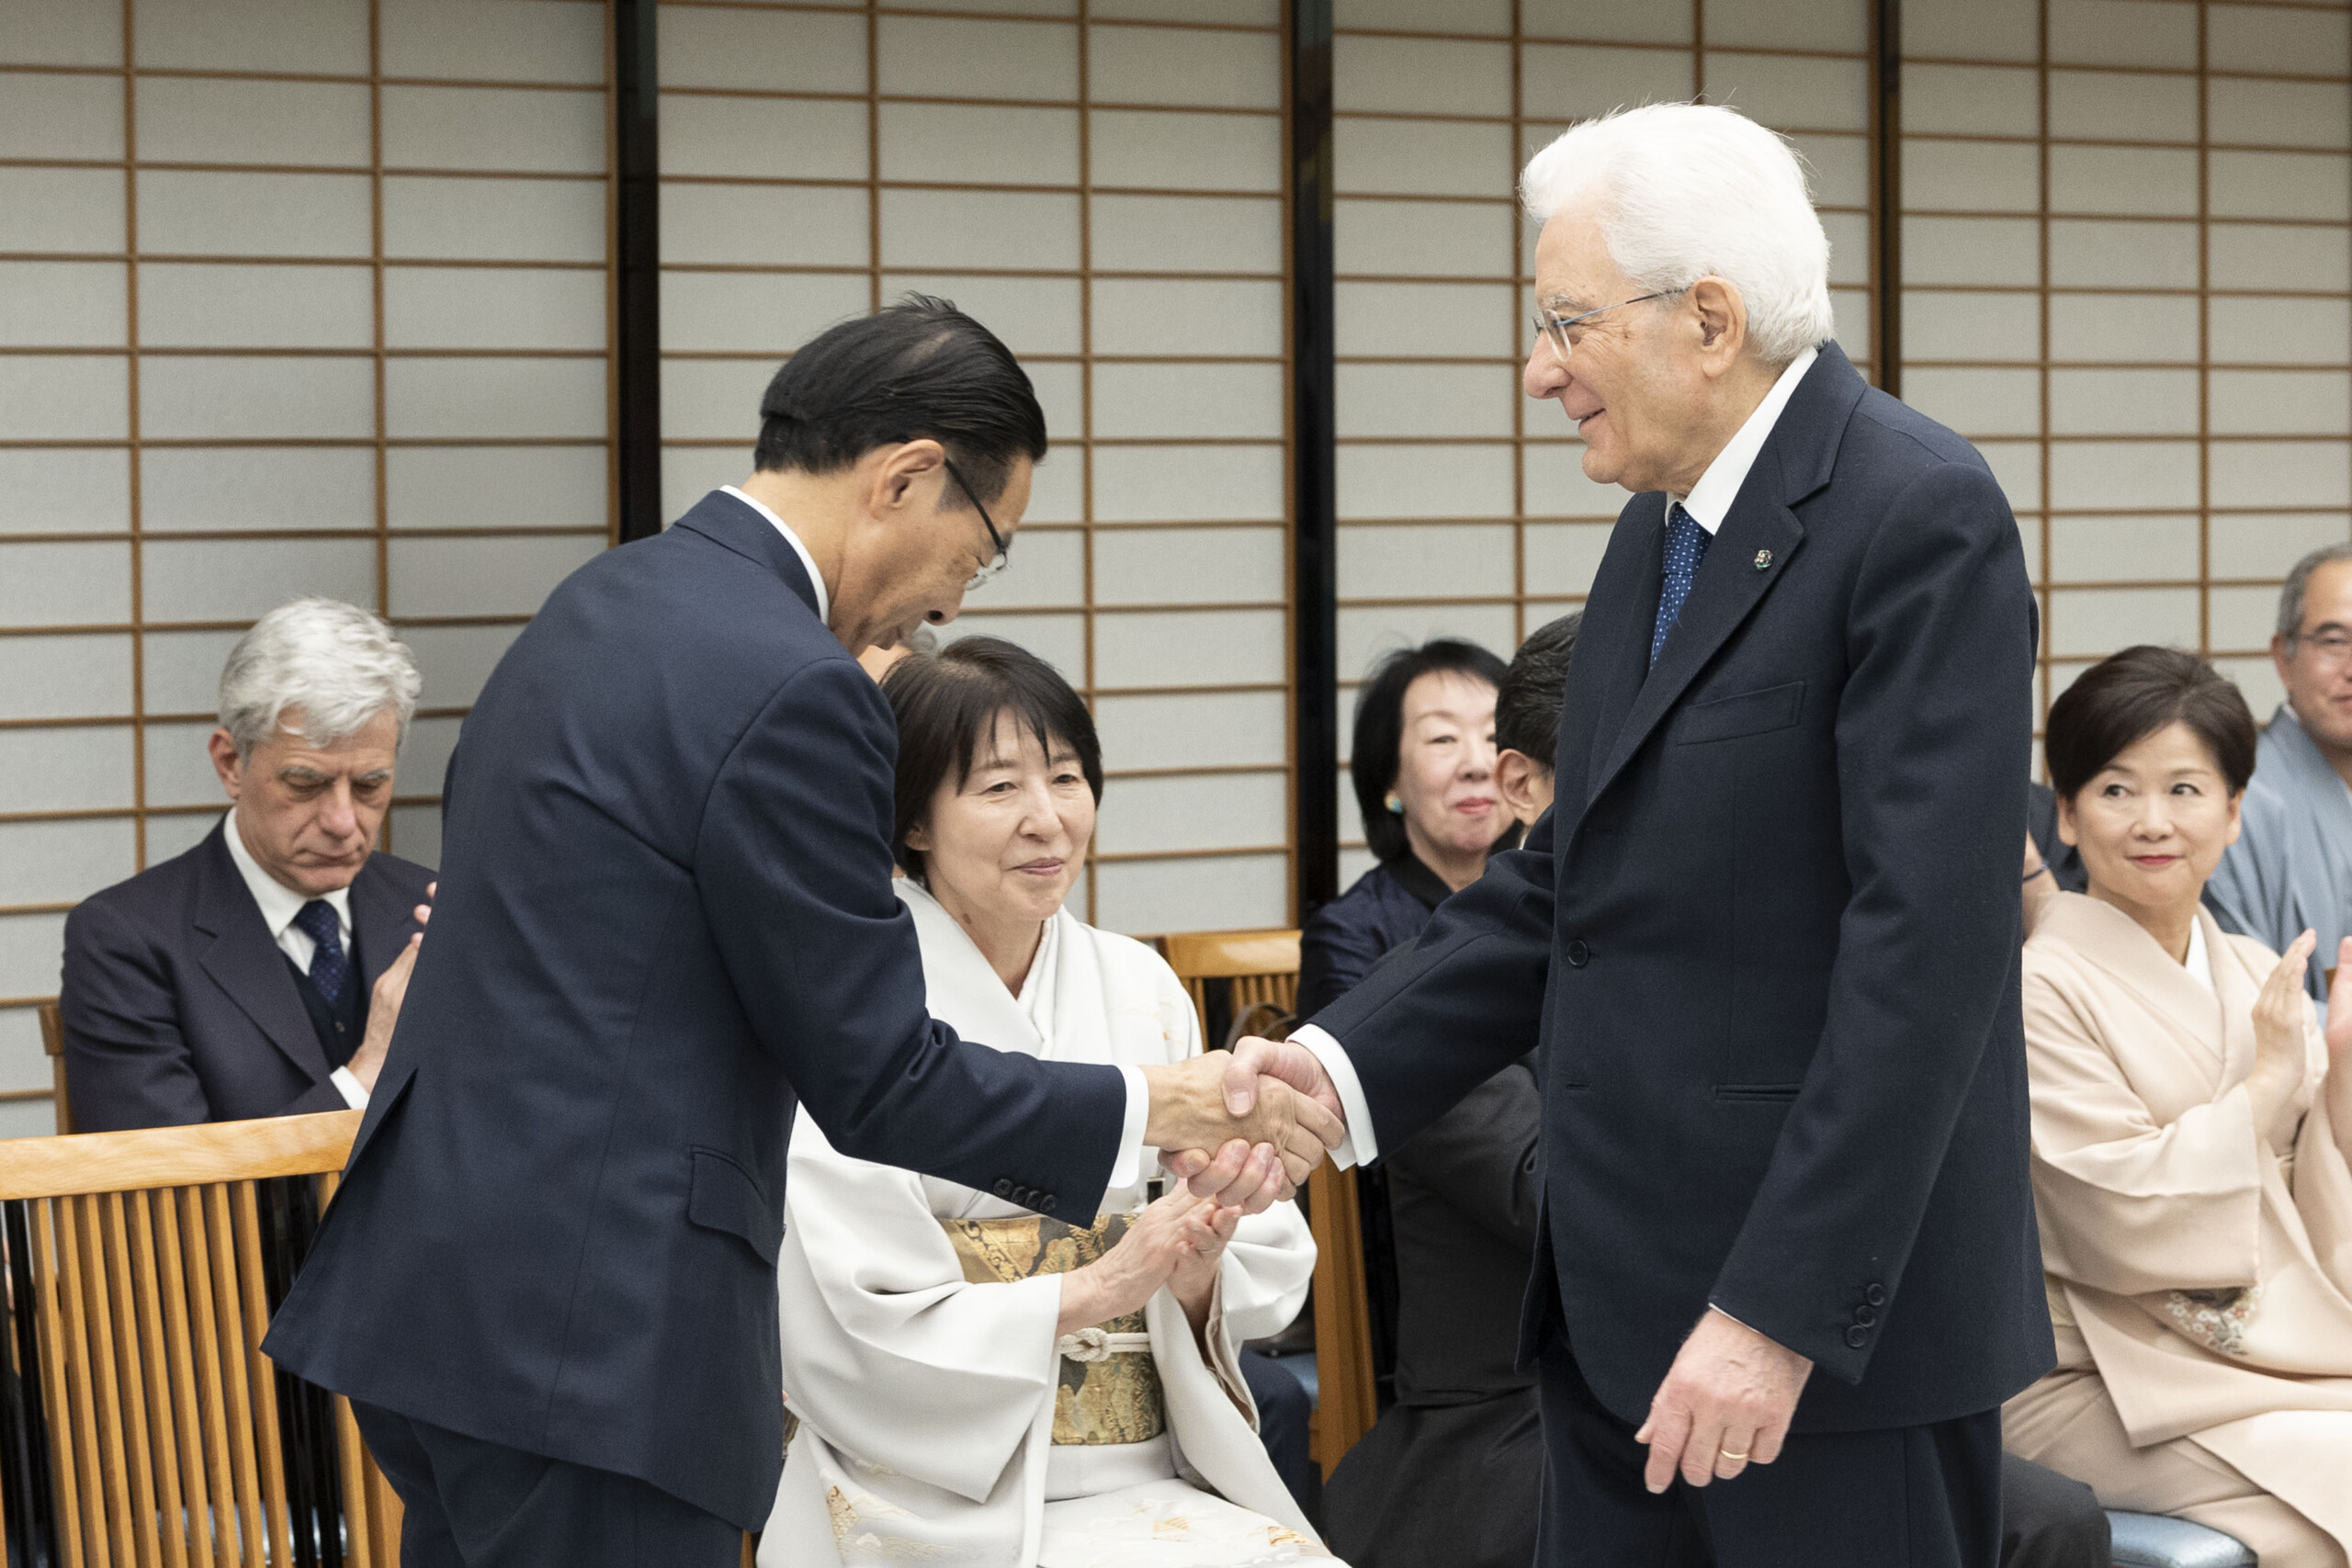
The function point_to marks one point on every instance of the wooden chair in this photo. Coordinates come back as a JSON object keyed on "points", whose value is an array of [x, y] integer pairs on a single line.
{"points": [[1260, 972], [145, 1263], [52, 1040]]}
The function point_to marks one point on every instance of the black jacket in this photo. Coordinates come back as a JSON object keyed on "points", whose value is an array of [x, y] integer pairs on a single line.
{"points": [[1768, 939], [665, 910], [179, 1008]]}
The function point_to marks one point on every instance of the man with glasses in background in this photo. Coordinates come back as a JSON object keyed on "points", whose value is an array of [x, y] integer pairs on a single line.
{"points": [[2290, 870]]}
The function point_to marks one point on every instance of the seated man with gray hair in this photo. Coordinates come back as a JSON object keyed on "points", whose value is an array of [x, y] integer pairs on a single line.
{"points": [[2290, 869], [260, 973]]}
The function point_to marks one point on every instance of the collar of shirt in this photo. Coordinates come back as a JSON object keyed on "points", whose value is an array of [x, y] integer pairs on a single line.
{"points": [[1710, 500], [824, 600], [279, 904]]}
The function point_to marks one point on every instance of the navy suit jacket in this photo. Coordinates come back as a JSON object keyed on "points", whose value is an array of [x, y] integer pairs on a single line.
{"points": [[665, 911], [179, 1008], [1767, 937]]}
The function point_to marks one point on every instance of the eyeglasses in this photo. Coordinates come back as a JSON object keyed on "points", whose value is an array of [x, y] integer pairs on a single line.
{"points": [[1554, 328], [998, 563], [2329, 649]]}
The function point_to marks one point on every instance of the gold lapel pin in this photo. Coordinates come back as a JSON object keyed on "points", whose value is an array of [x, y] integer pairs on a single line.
{"points": [[1763, 560]]}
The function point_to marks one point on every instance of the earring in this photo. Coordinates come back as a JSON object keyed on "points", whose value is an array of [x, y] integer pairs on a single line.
{"points": [[1395, 806]]}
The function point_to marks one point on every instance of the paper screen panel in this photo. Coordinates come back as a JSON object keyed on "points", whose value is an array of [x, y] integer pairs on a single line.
{"points": [[296, 296], [1462, 508], [1102, 185], [2126, 276]]}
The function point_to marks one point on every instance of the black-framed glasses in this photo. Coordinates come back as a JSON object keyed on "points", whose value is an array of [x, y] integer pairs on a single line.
{"points": [[998, 563], [1555, 327]]}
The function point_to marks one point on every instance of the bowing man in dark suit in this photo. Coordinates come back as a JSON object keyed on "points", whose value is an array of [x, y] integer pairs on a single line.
{"points": [[260, 973], [549, 1281], [1767, 935]]}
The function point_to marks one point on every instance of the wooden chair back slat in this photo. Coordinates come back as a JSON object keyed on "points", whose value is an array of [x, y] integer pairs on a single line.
{"points": [[151, 1263], [1347, 1401], [53, 1041]]}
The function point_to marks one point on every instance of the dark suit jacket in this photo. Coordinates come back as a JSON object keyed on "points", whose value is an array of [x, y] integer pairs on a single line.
{"points": [[178, 1006], [1767, 937], [1385, 908], [665, 908]]}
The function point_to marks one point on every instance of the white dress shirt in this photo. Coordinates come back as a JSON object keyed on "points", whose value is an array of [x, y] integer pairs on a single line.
{"points": [[279, 904], [1708, 503], [1127, 1168]]}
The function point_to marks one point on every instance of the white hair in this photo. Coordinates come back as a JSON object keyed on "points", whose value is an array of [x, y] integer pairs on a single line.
{"points": [[336, 663], [1689, 190]]}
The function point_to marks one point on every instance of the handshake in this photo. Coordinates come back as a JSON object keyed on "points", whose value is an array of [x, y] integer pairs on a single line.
{"points": [[1248, 1126]]}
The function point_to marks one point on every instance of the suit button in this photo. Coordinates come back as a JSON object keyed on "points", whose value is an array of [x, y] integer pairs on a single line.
{"points": [[1875, 1296], [1579, 955], [1046, 1205], [1865, 1315], [1004, 1187], [1856, 1336]]}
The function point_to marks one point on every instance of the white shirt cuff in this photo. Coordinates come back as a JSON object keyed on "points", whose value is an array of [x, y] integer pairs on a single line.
{"points": [[1127, 1168], [353, 1094], [1359, 1146]]}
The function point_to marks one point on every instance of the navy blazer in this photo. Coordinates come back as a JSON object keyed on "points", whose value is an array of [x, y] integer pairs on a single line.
{"points": [[179, 1008], [665, 911], [1767, 937]]}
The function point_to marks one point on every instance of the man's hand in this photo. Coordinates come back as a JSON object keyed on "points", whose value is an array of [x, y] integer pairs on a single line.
{"points": [[1263, 1152], [1294, 1064], [1725, 1404], [384, 1012]]}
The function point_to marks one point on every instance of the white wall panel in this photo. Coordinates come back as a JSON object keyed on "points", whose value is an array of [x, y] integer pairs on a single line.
{"points": [[270, 410], [1106, 199], [2183, 299]]}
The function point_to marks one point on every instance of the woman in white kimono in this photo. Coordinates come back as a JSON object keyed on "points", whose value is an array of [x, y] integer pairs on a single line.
{"points": [[2190, 1126], [976, 1384]]}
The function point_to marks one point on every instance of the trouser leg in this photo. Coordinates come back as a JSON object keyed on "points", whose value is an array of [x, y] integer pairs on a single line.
{"points": [[2049, 1520], [1283, 1413], [1595, 1512], [484, 1505], [1926, 1496]]}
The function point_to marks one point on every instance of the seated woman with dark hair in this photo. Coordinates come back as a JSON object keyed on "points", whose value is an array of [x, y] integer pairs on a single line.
{"points": [[1423, 766], [976, 1384], [2190, 1132]]}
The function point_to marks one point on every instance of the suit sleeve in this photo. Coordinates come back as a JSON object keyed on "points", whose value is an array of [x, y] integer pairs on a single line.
{"points": [[792, 863], [1933, 734], [1435, 1021], [128, 1063]]}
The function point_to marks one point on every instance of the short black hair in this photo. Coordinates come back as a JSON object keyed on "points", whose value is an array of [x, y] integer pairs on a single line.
{"points": [[918, 368], [1527, 705], [1380, 728], [946, 704], [2128, 696]]}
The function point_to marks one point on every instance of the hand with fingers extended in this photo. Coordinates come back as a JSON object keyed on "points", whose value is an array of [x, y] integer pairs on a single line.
{"points": [[1726, 1404], [1246, 1150], [367, 1064], [2277, 1086], [1168, 1243]]}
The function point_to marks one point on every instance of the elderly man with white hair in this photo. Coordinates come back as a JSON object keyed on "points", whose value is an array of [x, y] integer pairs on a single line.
{"points": [[1767, 934], [260, 973]]}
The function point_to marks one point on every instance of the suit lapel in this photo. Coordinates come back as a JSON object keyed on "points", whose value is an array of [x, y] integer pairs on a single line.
{"points": [[1751, 552], [1634, 592], [244, 963], [382, 920]]}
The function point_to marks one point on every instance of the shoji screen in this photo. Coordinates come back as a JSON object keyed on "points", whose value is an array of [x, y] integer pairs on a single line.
{"points": [[296, 296], [1462, 508], [2126, 273], [1100, 181]]}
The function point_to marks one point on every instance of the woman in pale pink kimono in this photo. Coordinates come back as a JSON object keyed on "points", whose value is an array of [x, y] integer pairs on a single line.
{"points": [[2190, 1139]]}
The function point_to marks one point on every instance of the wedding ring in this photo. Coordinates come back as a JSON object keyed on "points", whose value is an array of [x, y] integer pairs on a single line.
{"points": [[1727, 1453]]}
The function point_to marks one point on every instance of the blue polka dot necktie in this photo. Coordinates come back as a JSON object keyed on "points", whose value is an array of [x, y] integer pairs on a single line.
{"points": [[330, 965], [1686, 547]]}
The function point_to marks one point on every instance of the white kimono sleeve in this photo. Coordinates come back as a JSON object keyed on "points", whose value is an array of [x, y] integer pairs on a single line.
{"points": [[888, 1353]]}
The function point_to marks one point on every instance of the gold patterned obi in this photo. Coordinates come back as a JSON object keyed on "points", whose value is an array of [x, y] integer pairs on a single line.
{"points": [[1109, 1389]]}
